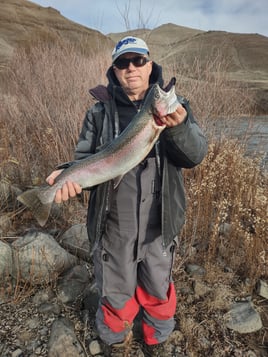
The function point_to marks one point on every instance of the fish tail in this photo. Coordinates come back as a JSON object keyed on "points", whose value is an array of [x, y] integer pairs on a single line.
{"points": [[40, 210]]}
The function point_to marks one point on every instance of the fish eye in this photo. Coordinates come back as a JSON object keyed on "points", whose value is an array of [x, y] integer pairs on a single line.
{"points": [[157, 95]]}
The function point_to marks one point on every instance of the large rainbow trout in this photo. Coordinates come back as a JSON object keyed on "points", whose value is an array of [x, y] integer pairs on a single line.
{"points": [[121, 155]]}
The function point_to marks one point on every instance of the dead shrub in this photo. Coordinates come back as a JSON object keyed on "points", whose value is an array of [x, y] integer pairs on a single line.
{"points": [[44, 105], [228, 189]]}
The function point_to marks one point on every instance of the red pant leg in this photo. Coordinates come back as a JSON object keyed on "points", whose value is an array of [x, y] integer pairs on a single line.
{"points": [[159, 310], [120, 319]]}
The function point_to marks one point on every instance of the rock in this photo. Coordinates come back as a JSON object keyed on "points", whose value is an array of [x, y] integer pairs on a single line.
{"points": [[243, 318], [38, 258], [8, 193], [95, 348], [17, 353], [6, 272], [43, 296], [91, 298], [72, 284], [250, 354], [75, 241], [262, 289], [32, 323], [194, 269], [5, 224], [48, 308], [46, 302], [6, 261], [63, 341]]}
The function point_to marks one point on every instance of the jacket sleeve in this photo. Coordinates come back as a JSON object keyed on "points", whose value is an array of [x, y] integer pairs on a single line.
{"points": [[86, 144], [185, 144]]}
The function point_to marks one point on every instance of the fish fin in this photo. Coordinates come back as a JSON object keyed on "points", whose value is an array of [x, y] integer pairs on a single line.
{"points": [[32, 200], [117, 180]]}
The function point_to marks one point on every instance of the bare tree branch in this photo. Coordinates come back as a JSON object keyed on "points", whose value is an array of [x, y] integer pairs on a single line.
{"points": [[142, 22], [125, 14]]}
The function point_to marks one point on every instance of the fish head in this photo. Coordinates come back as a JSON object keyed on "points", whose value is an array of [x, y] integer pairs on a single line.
{"points": [[164, 102]]}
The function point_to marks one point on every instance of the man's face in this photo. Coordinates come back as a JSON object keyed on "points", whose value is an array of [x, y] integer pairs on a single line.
{"points": [[134, 78]]}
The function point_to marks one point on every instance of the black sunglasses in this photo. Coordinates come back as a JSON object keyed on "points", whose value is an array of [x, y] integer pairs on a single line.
{"points": [[123, 63]]}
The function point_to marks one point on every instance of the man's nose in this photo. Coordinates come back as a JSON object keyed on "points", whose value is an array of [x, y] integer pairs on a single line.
{"points": [[131, 66]]}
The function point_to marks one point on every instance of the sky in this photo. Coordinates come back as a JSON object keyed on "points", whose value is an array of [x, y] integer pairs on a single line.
{"points": [[106, 16]]}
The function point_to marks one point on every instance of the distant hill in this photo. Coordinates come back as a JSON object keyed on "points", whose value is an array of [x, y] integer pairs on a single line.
{"points": [[23, 22], [162, 39]]}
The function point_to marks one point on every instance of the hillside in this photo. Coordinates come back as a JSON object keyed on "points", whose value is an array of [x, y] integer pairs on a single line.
{"points": [[22, 23], [246, 54], [162, 39]]}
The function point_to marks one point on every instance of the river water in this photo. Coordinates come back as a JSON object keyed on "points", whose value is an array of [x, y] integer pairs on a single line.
{"points": [[250, 131]]}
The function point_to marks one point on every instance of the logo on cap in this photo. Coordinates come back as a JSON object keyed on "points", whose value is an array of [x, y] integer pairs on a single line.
{"points": [[125, 41]]}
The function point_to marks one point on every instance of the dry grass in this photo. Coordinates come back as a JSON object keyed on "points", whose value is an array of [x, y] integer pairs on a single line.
{"points": [[227, 212], [47, 96]]}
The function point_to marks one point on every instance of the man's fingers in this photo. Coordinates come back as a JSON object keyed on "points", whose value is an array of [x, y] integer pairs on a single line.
{"points": [[69, 189], [175, 118], [51, 178], [78, 188], [65, 192], [58, 196], [72, 189]]}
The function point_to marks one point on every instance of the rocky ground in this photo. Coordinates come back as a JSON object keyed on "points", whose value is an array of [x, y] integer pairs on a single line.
{"points": [[215, 317]]}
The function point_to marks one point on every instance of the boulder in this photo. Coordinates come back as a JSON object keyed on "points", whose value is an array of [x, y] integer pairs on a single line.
{"points": [[243, 318], [75, 241], [39, 258], [72, 284], [6, 262], [63, 341], [262, 289]]}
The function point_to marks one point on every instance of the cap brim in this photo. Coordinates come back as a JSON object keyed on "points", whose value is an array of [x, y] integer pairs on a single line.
{"points": [[140, 51]]}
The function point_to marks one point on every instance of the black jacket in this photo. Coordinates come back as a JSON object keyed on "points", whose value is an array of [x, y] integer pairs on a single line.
{"points": [[183, 146]]}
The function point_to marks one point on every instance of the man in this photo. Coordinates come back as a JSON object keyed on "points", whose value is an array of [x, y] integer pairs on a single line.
{"points": [[134, 227]]}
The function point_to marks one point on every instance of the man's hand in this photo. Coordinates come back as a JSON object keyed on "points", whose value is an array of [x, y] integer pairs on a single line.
{"points": [[69, 189], [175, 118]]}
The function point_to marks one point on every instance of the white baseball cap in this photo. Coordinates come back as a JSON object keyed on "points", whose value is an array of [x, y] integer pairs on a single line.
{"points": [[129, 44]]}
